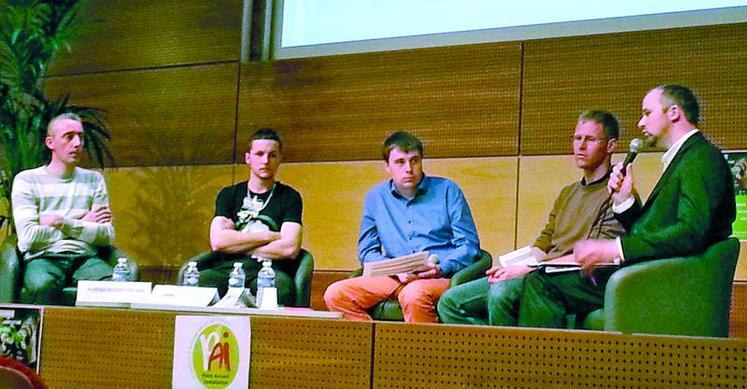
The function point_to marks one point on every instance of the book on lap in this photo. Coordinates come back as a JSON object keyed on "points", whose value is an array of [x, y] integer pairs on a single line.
{"points": [[563, 267]]}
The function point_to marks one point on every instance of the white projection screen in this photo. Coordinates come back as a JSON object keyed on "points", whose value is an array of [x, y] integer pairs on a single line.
{"points": [[305, 28]]}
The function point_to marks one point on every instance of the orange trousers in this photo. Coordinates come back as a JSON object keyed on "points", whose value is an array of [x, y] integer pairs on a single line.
{"points": [[354, 296]]}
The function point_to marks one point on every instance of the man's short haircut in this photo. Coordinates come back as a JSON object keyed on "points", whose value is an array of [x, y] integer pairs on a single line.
{"points": [[64, 116], [605, 118], [672, 94], [402, 140], [265, 133]]}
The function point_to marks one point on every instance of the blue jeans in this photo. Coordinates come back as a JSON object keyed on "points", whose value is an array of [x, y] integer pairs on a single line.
{"points": [[45, 277], [482, 302]]}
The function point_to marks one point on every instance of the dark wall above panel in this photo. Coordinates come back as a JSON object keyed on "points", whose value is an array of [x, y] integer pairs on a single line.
{"points": [[614, 71], [127, 34], [462, 101], [179, 116]]}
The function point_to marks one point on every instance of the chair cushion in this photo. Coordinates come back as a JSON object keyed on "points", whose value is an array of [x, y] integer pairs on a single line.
{"points": [[594, 320], [388, 310]]}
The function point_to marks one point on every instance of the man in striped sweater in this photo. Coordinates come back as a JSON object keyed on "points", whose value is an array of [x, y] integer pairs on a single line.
{"points": [[62, 215]]}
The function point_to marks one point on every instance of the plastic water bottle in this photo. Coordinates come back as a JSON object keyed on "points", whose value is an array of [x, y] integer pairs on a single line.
{"points": [[121, 272], [237, 278], [266, 276], [266, 292], [191, 275]]}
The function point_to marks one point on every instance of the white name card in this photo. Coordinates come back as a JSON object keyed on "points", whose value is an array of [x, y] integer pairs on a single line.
{"points": [[182, 296], [111, 294]]}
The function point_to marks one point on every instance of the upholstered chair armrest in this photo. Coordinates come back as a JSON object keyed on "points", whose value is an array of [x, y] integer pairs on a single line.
{"points": [[204, 260], [473, 271], [676, 296], [10, 270], [303, 277]]}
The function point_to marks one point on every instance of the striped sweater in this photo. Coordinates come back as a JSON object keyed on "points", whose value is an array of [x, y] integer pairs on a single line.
{"points": [[36, 192]]}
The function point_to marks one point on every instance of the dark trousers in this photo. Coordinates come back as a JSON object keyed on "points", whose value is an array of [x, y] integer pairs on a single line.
{"points": [[45, 277], [217, 277], [548, 298]]}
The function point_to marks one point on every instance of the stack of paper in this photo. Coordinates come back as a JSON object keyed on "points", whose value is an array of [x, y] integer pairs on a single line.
{"points": [[389, 267]]}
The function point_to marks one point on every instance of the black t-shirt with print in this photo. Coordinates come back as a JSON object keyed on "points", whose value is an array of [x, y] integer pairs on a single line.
{"points": [[284, 205]]}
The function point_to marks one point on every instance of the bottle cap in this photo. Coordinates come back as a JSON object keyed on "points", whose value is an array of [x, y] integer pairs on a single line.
{"points": [[121, 260], [237, 264]]}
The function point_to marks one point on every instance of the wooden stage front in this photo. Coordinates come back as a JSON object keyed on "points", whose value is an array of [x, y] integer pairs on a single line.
{"points": [[100, 348]]}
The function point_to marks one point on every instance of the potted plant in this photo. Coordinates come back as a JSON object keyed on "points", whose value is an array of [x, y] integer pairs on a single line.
{"points": [[31, 33]]}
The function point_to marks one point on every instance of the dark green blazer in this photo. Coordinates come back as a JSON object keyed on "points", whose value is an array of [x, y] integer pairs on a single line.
{"points": [[691, 207]]}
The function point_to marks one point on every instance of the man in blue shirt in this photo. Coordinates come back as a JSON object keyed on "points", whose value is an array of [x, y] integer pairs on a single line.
{"points": [[407, 214]]}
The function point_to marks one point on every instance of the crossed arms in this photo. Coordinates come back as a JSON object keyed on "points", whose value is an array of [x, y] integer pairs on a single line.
{"points": [[285, 244], [38, 229]]}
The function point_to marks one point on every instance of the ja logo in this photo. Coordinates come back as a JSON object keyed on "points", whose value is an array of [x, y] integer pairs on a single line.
{"points": [[215, 356]]}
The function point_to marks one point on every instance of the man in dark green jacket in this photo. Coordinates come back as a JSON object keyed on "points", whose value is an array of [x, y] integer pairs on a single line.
{"points": [[691, 207]]}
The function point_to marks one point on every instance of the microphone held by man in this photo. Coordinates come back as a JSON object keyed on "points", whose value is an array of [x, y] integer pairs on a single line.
{"points": [[636, 146]]}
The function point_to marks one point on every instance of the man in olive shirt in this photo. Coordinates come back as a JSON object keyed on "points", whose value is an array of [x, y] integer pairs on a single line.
{"points": [[581, 211]]}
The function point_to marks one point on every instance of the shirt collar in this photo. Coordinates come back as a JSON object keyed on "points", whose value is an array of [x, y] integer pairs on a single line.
{"points": [[422, 187], [672, 152], [597, 181]]}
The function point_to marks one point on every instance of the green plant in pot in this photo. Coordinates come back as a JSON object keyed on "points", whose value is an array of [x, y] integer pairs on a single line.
{"points": [[31, 34]]}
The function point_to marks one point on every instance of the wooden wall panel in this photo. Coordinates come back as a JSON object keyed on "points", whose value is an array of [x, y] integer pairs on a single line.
{"points": [[332, 207], [321, 280], [461, 100], [177, 116], [738, 312], [614, 71], [490, 187], [127, 34], [333, 195], [162, 214]]}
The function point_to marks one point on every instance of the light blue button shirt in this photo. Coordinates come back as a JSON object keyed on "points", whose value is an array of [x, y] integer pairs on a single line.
{"points": [[437, 220]]}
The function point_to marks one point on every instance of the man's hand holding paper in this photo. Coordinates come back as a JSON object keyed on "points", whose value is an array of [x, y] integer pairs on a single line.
{"points": [[428, 270]]}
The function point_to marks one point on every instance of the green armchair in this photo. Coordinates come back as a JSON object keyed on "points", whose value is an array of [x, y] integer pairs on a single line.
{"points": [[301, 270], [12, 265], [10, 270], [675, 296], [390, 310]]}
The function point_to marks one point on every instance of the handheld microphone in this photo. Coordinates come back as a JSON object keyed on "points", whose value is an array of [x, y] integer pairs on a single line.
{"points": [[636, 146]]}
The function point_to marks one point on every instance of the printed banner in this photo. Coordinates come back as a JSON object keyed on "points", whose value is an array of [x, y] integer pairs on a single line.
{"points": [[211, 352], [738, 163], [20, 333]]}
